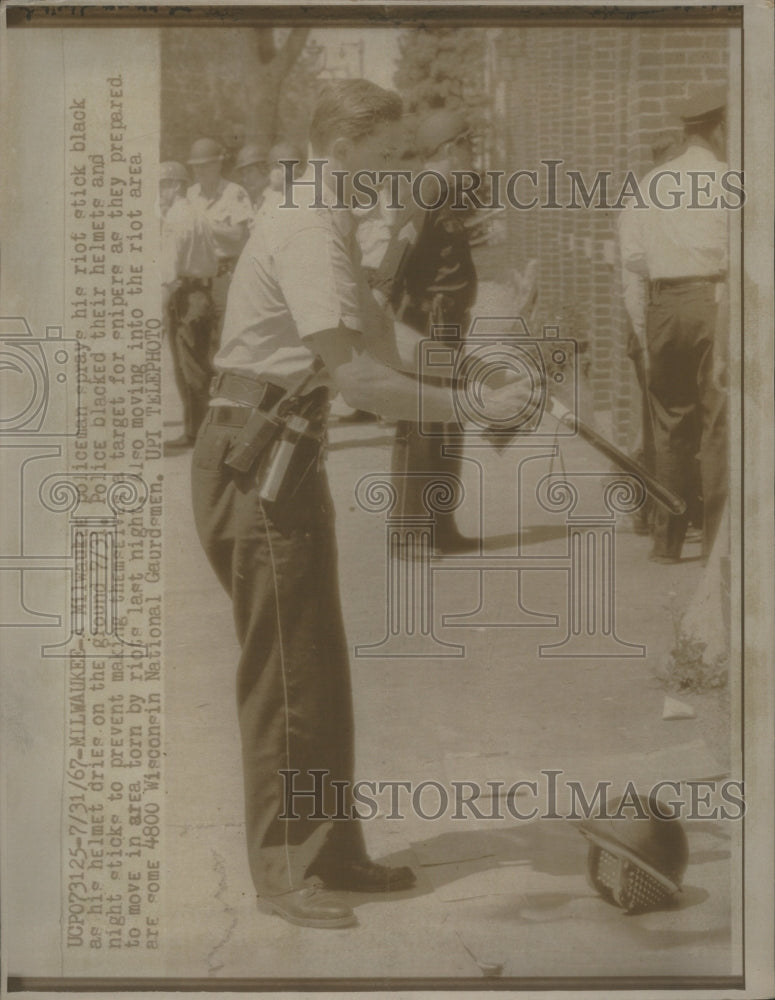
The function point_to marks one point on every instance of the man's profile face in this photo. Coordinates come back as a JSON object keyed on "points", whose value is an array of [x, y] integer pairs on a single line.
{"points": [[253, 178], [207, 174], [379, 150], [168, 192]]}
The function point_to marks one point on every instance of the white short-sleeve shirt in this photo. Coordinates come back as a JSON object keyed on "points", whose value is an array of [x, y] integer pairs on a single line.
{"points": [[299, 274]]}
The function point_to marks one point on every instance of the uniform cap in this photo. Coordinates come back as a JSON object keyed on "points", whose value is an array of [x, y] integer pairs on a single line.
{"points": [[250, 153], [171, 170], [703, 105], [439, 128], [204, 151]]}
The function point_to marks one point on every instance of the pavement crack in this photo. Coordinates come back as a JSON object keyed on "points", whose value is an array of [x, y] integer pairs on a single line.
{"points": [[213, 962]]}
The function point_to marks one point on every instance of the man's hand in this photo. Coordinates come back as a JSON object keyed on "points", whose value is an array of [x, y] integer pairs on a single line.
{"points": [[502, 402]]}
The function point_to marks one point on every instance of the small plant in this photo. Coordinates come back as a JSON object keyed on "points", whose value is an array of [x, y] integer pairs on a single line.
{"points": [[687, 668]]}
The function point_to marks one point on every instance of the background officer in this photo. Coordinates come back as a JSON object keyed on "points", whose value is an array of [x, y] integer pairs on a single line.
{"points": [[683, 254], [227, 208], [436, 286], [252, 171], [188, 267]]}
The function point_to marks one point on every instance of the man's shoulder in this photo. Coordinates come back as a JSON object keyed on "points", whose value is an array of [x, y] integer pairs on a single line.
{"points": [[232, 189], [181, 214], [282, 224], [691, 157]]}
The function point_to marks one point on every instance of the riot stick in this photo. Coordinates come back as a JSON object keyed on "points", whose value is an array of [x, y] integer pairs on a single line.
{"points": [[663, 496]]}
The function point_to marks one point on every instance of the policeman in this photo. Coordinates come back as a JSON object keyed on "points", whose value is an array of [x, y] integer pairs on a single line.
{"points": [[252, 171], [682, 252], [229, 212], [635, 295], [436, 286], [188, 266], [296, 325], [274, 192]]}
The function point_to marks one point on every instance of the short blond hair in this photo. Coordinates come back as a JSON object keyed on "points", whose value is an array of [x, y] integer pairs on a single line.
{"points": [[352, 109]]}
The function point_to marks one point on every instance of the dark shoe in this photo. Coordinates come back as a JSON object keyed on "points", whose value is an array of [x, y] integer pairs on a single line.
{"points": [[312, 906], [365, 876]]}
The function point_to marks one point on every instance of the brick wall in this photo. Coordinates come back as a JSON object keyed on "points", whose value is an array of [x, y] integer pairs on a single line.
{"points": [[596, 98]]}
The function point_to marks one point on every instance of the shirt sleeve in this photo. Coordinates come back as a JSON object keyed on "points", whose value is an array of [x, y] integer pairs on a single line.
{"points": [[631, 245], [317, 277]]}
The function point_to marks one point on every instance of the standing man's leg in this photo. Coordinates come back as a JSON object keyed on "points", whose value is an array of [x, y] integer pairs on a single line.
{"points": [[194, 335], [293, 685], [673, 403], [417, 456], [644, 516], [171, 321], [714, 449]]}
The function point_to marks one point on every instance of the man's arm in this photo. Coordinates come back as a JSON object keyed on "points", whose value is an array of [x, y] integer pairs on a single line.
{"points": [[391, 341], [232, 238], [366, 383], [316, 276], [632, 248]]}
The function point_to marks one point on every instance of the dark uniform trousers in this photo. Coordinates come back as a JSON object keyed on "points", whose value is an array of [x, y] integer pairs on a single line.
{"points": [[419, 454], [688, 404], [192, 320], [293, 681]]}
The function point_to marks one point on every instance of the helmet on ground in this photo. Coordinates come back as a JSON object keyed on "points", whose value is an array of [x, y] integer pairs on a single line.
{"points": [[171, 170], [204, 151], [636, 861]]}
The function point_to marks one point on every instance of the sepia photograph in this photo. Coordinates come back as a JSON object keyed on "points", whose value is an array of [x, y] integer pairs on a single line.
{"points": [[386, 428]]}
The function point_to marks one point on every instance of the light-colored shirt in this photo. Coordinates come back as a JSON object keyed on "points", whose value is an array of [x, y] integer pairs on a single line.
{"points": [[229, 206], [298, 275], [682, 242], [375, 228], [634, 285], [269, 203], [187, 246]]}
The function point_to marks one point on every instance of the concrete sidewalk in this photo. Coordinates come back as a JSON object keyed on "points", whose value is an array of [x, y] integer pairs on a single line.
{"points": [[493, 897]]}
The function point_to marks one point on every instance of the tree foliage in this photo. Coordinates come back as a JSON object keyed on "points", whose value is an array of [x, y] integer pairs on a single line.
{"points": [[442, 67], [255, 77]]}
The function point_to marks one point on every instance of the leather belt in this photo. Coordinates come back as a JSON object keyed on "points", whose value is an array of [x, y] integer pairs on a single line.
{"points": [[661, 283], [245, 389]]}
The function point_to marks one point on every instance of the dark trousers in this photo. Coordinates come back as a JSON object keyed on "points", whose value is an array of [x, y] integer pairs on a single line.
{"points": [[193, 342], [645, 451], [418, 457], [688, 406], [293, 680]]}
